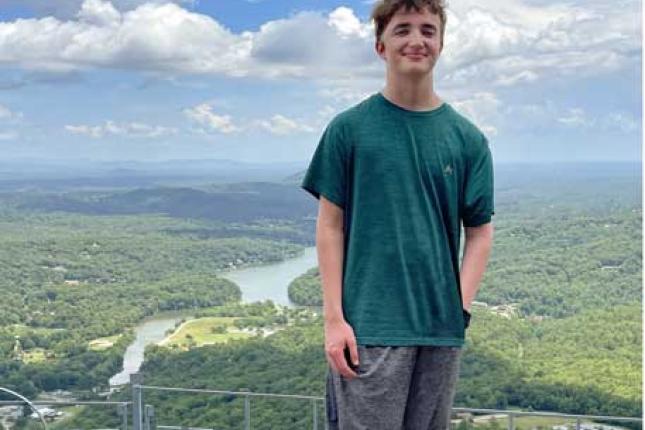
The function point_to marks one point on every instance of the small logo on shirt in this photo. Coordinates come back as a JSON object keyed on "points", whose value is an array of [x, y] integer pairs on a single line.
{"points": [[447, 170]]}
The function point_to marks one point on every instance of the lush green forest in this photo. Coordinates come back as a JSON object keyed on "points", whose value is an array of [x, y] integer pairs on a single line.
{"points": [[306, 288], [557, 325], [67, 279]]}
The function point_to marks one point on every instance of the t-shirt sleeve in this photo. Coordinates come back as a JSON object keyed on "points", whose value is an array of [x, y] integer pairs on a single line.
{"points": [[327, 171], [478, 201]]}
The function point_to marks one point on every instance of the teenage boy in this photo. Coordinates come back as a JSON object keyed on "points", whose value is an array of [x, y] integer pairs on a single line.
{"points": [[396, 175]]}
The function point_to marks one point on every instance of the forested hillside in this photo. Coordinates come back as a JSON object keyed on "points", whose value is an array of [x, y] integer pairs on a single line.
{"points": [[68, 279], [241, 202]]}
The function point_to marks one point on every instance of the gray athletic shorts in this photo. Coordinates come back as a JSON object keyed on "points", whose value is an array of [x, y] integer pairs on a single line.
{"points": [[397, 388]]}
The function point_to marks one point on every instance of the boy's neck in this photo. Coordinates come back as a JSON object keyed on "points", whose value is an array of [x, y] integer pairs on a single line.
{"points": [[411, 94]]}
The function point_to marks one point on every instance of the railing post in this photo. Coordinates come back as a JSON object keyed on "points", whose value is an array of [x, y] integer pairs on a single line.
{"points": [[149, 418], [511, 422], [247, 410], [578, 424], [122, 411], [313, 403], [136, 379]]}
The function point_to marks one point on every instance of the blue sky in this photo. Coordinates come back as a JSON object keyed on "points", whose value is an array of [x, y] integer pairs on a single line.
{"points": [[258, 80]]}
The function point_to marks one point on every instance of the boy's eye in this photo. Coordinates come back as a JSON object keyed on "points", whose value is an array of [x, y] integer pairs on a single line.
{"points": [[403, 31]]}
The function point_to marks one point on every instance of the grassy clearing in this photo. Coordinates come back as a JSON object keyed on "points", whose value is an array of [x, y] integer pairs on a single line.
{"points": [[103, 343], [36, 355], [205, 331]]}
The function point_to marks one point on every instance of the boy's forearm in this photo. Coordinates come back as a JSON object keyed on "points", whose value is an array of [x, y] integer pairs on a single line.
{"points": [[477, 247], [330, 247]]}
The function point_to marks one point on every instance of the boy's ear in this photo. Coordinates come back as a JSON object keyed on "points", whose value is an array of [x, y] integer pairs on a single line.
{"points": [[379, 47]]}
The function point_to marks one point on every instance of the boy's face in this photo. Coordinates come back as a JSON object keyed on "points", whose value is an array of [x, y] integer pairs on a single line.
{"points": [[410, 43]]}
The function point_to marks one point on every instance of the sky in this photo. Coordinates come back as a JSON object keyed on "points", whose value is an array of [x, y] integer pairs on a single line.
{"points": [[258, 80]]}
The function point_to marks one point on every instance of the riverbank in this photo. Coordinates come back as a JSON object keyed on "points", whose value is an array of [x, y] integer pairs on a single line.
{"points": [[257, 284]]}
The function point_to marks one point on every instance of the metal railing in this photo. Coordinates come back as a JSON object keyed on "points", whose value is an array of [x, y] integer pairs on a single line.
{"points": [[143, 415]]}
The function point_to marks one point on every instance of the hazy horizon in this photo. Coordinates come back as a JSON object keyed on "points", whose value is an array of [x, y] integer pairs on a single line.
{"points": [[304, 162]]}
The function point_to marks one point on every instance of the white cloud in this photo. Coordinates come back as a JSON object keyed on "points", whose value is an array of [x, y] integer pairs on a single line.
{"points": [[344, 94], [278, 124], [477, 36], [493, 116], [162, 38], [347, 24], [576, 117], [309, 46], [546, 114], [130, 130], [203, 115], [281, 125], [510, 79], [482, 109], [8, 114], [5, 112], [99, 13], [511, 42], [500, 43], [168, 39], [615, 121], [325, 114], [96, 131], [621, 121]]}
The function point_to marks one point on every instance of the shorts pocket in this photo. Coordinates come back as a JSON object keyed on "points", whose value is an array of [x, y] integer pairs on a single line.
{"points": [[331, 405], [467, 315]]}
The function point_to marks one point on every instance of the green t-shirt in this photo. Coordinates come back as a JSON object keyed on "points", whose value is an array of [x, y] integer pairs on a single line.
{"points": [[406, 180]]}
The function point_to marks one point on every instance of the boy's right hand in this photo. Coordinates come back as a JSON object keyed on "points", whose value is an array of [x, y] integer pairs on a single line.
{"points": [[339, 336]]}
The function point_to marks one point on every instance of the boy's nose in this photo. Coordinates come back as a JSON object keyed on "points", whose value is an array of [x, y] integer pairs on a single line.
{"points": [[416, 39]]}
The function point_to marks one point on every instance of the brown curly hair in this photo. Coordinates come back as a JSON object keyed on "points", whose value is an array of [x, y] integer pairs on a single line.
{"points": [[384, 10]]}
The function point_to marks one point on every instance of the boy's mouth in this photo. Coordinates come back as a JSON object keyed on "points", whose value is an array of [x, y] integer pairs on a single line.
{"points": [[415, 56]]}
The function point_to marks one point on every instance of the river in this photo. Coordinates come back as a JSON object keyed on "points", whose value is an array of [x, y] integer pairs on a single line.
{"points": [[256, 283]]}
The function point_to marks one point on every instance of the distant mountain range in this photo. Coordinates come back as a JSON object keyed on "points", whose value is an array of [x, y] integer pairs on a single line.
{"points": [[52, 175], [240, 202], [232, 191]]}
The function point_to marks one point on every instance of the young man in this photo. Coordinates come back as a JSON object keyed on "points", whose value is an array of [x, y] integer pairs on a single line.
{"points": [[396, 176]]}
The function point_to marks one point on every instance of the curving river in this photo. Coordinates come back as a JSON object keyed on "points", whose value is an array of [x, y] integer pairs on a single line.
{"points": [[256, 283]]}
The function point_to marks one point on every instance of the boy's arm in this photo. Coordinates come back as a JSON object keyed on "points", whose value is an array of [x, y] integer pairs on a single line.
{"points": [[340, 341], [477, 246], [330, 248]]}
